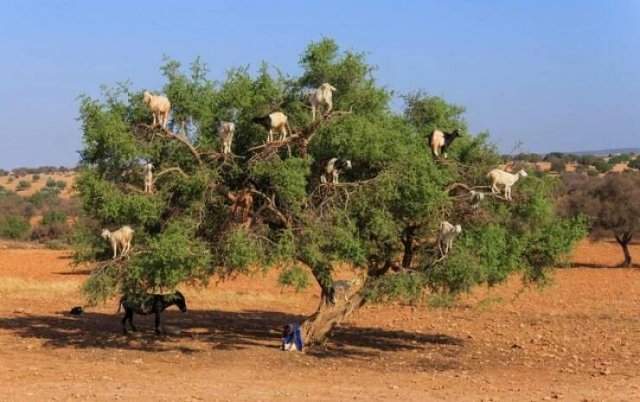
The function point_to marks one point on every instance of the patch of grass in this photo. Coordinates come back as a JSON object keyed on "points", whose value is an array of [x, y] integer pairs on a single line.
{"points": [[56, 244], [488, 301], [441, 300], [15, 286]]}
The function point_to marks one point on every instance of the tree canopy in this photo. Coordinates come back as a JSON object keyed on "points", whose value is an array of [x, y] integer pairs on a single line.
{"points": [[611, 204], [382, 218]]}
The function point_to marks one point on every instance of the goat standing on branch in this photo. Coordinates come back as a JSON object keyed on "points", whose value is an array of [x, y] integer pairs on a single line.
{"points": [[148, 178], [226, 130], [274, 122], [447, 233], [323, 95], [121, 237], [333, 168], [160, 107], [440, 141], [507, 179], [476, 198]]}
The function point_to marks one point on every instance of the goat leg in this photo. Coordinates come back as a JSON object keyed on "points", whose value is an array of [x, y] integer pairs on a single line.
{"points": [[158, 332]]}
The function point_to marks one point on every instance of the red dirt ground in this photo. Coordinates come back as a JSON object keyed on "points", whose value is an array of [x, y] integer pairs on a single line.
{"points": [[575, 340]]}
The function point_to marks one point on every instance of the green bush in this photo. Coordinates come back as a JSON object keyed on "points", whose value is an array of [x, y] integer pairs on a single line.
{"points": [[23, 185], [51, 182], [295, 277], [602, 166], [35, 178], [52, 217], [14, 227]]}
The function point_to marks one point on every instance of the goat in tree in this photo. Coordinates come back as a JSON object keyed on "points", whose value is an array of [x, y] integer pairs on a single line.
{"points": [[276, 122], [476, 198], [148, 178], [226, 130], [440, 141], [160, 107], [121, 237], [333, 168], [499, 176], [323, 95], [447, 233]]}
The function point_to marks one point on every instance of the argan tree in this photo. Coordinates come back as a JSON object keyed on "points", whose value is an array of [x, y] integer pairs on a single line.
{"points": [[264, 205], [611, 203]]}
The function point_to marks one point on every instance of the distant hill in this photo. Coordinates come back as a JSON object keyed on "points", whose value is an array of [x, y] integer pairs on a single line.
{"points": [[605, 152]]}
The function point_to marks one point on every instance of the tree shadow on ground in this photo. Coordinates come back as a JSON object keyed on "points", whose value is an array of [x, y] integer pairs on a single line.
{"points": [[220, 330], [604, 266], [79, 272]]}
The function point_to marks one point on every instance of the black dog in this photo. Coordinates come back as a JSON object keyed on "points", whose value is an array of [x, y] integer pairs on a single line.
{"points": [[77, 310]]}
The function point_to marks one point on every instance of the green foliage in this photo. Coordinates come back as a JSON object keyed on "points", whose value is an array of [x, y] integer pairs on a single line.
{"points": [[406, 287], [54, 217], [101, 285], [14, 227], [35, 178], [288, 179], [238, 252], [635, 163], [619, 159], [295, 277], [428, 113], [51, 183], [601, 165], [190, 228], [23, 185], [172, 257]]}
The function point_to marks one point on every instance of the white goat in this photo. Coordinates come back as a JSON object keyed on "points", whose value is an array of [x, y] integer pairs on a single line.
{"points": [[121, 237], [333, 168], [160, 107], [507, 179], [148, 177], [322, 95], [440, 141], [476, 198], [274, 122], [447, 233], [226, 130]]}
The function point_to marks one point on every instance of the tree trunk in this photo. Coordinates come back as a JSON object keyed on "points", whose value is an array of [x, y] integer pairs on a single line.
{"points": [[624, 241], [317, 328], [407, 241]]}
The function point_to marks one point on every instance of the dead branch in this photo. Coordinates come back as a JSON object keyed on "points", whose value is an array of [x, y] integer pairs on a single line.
{"points": [[169, 170], [180, 137], [271, 205]]}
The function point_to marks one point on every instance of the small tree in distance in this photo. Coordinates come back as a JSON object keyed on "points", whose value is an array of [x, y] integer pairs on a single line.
{"points": [[382, 219], [612, 204]]}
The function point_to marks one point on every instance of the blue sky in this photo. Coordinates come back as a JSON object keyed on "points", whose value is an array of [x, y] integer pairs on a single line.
{"points": [[552, 75]]}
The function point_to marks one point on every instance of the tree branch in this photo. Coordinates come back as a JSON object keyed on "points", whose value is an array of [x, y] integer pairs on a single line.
{"points": [[271, 205], [180, 137], [169, 170]]}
